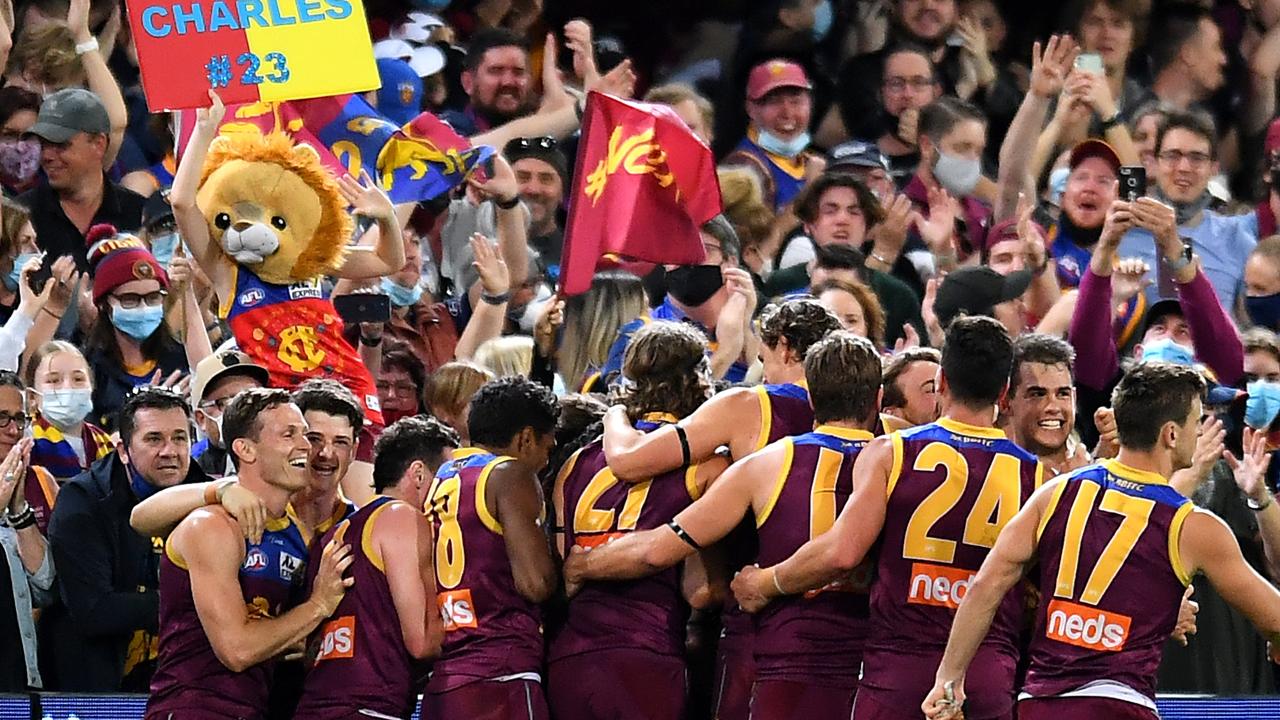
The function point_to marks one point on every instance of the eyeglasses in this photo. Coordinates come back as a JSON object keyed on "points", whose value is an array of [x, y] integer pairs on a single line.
{"points": [[397, 388], [221, 403], [18, 419], [898, 84], [1173, 157], [129, 301], [525, 144]]}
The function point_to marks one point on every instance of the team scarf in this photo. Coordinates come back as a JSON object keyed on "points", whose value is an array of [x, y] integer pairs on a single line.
{"points": [[52, 451]]}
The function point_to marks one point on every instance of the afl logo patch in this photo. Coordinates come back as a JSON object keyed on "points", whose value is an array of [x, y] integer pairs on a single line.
{"points": [[249, 298], [256, 560]]}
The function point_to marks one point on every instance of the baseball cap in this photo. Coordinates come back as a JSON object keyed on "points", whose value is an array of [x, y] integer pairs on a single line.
{"points": [[857, 153], [1093, 148], [773, 74], [427, 60], [70, 111], [220, 365], [976, 291], [392, 48], [1006, 229], [545, 149], [1158, 310], [157, 209], [400, 97]]}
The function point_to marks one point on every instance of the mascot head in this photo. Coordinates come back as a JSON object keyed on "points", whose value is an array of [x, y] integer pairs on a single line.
{"points": [[273, 207]]}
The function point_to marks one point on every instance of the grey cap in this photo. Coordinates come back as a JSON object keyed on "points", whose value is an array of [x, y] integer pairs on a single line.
{"points": [[71, 111]]}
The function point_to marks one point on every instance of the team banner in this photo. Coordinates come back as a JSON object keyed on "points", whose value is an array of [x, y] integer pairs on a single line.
{"points": [[250, 50], [644, 185], [414, 162]]}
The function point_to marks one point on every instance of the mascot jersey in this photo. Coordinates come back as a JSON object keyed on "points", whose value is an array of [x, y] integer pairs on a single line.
{"points": [[295, 333]]}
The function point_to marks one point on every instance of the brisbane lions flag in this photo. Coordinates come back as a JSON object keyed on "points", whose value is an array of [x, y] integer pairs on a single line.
{"points": [[643, 185]]}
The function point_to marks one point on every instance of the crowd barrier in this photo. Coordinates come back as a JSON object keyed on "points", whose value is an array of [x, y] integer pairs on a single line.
{"points": [[58, 706]]}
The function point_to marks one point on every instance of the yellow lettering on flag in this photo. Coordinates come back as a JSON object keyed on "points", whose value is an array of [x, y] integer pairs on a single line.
{"points": [[636, 155]]}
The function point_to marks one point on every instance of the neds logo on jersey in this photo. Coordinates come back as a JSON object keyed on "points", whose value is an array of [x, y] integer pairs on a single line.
{"points": [[338, 639], [938, 585], [1087, 627], [457, 609]]}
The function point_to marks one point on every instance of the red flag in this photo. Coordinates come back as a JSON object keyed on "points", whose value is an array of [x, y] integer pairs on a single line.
{"points": [[643, 185]]}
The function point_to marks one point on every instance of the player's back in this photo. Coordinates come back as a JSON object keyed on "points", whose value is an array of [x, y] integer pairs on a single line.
{"points": [[189, 677], [361, 662], [491, 630], [647, 613], [816, 637], [952, 488], [784, 411], [1111, 583]]}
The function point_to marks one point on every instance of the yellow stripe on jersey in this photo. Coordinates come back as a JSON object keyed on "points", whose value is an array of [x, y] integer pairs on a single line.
{"points": [[895, 472], [766, 416], [691, 482], [482, 509], [1054, 497], [1183, 572], [788, 453], [1039, 474], [175, 557], [968, 430], [366, 539]]}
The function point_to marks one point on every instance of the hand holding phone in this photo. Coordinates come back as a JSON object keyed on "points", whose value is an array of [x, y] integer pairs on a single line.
{"points": [[1133, 182], [363, 307], [1090, 63]]}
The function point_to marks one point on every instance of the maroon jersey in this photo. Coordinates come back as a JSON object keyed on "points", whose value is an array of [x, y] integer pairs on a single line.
{"points": [[646, 613], [361, 661], [1111, 581], [189, 676], [491, 630], [816, 638], [952, 488], [784, 411]]}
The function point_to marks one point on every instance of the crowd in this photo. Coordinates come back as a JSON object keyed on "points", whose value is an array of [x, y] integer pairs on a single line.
{"points": [[1099, 178]]}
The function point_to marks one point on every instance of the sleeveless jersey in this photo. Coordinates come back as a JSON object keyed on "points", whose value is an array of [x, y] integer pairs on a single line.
{"points": [[188, 675], [816, 638], [952, 488], [361, 662], [1111, 581], [647, 613], [295, 333], [783, 178], [784, 411], [491, 630]]}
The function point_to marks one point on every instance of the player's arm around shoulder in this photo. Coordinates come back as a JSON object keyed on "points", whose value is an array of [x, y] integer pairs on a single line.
{"points": [[515, 497], [402, 536], [1207, 545]]}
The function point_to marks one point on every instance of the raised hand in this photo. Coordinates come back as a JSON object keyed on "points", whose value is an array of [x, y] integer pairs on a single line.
{"points": [[28, 298], [78, 20], [891, 233], [208, 119], [548, 324], [620, 81], [1129, 278], [1250, 469], [939, 229], [554, 96], [495, 278], [1119, 221], [1049, 69], [1104, 419], [13, 475], [502, 187], [909, 126], [910, 339], [366, 198], [577, 37], [63, 278]]}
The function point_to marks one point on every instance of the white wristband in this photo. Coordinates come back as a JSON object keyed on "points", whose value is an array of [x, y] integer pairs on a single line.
{"points": [[87, 46]]}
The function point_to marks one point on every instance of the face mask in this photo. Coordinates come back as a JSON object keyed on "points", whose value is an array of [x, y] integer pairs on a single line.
{"points": [[822, 18], [693, 285], [138, 323], [783, 148], [19, 161], [217, 423], [527, 316], [163, 247], [1058, 185], [1263, 404], [400, 295], [65, 409], [1167, 350], [958, 175], [1264, 310], [15, 275]]}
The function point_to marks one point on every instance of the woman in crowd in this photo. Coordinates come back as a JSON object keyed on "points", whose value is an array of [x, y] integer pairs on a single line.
{"points": [[592, 321], [449, 391], [61, 399], [400, 381], [17, 247], [507, 356], [19, 155], [855, 306]]}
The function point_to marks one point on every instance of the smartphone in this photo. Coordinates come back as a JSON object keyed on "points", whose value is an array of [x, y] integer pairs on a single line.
{"points": [[1090, 63], [1133, 182], [363, 307]]}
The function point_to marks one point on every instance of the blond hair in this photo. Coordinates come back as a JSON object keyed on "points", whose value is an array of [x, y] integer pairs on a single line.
{"points": [[507, 356], [451, 386], [592, 321], [16, 217]]}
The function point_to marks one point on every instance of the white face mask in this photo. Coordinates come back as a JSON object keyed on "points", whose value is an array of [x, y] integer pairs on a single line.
{"points": [[958, 175], [65, 409]]}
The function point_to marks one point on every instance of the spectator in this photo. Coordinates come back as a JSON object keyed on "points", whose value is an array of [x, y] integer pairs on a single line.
{"points": [[44, 60], [910, 387], [399, 98], [1143, 129], [19, 155], [1261, 356], [954, 222], [26, 494], [495, 77], [592, 322], [1262, 284], [1018, 244], [543, 174], [61, 398], [507, 356], [17, 248], [448, 394], [401, 379], [909, 84], [779, 104], [1187, 61], [983, 291], [835, 210], [1092, 186], [855, 306], [695, 110], [868, 163], [1112, 29], [102, 635], [752, 220], [1186, 152], [216, 380]]}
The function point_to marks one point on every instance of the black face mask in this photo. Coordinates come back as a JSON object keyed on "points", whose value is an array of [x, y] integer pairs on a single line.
{"points": [[693, 285]]}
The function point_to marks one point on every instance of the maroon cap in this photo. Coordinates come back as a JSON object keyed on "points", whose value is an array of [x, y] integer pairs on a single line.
{"points": [[1006, 229], [1094, 148], [773, 74]]}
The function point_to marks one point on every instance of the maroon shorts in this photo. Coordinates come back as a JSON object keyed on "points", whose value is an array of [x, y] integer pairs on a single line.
{"points": [[868, 707], [735, 674], [620, 684], [488, 700], [1082, 708], [785, 698]]}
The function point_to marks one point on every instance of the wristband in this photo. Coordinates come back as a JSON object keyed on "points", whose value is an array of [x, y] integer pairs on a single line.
{"points": [[1256, 507], [508, 204], [680, 533], [776, 585], [23, 521], [685, 454], [499, 299], [880, 258], [87, 46], [1113, 121], [46, 309]]}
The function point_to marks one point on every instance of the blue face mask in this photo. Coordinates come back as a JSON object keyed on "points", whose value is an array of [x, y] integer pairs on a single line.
{"points": [[822, 18], [163, 247], [15, 275], [784, 148], [1167, 350], [1264, 310], [400, 295], [138, 323], [1263, 404]]}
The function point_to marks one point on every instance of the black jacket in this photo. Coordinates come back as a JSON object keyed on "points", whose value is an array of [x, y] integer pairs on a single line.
{"points": [[108, 577]]}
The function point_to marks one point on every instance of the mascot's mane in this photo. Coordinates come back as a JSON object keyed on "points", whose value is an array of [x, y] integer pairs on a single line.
{"points": [[326, 248]]}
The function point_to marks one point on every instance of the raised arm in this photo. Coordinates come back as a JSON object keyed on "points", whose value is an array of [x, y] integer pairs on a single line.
{"points": [[387, 256], [63, 282], [487, 318], [1260, 103], [159, 514], [403, 537], [195, 339], [516, 499], [99, 78], [1048, 72], [510, 215], [212, 548], [190, 221], [1208, 545], [1094, 341], [635, 455]]}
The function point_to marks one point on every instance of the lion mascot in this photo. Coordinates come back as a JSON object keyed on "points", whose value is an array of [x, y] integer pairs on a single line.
{"points": [[267, 221]]}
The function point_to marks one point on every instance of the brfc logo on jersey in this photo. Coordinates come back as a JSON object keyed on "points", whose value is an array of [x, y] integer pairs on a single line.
{"points": [[256, 560], [289, 565]]}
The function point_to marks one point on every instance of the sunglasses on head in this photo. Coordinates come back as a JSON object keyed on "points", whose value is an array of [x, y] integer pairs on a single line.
{"points": [[526, 144]]}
